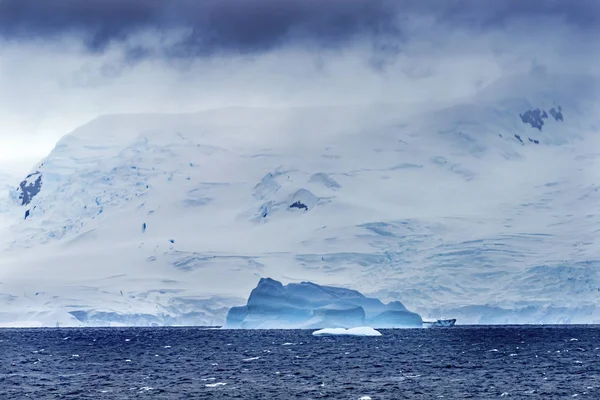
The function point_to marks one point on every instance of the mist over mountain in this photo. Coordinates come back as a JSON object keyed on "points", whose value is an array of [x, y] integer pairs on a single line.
{"points": [[441, 155]]}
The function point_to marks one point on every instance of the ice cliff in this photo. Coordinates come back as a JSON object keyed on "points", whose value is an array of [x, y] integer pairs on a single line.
{"points": [[272, 305]]}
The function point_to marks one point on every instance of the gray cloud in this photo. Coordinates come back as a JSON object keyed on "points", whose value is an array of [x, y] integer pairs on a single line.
{"points": [[84, 58], [254, 26]]}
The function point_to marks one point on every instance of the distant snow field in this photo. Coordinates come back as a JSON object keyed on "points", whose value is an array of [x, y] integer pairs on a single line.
{"points": [[484, 210]]}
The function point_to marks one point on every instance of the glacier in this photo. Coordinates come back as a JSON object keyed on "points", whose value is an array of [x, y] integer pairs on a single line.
{"points": [[306, 305], [469, 209]]}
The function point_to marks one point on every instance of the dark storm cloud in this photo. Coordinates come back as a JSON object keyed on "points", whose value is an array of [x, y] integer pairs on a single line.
{"points": [[250, 26], [214, 25]]}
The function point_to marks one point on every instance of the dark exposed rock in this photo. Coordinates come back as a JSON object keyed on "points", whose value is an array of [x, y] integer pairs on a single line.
{"points": [[557, 114], [533, 118], [299, 205], [536, 117], [30, 188], [519, 138]]}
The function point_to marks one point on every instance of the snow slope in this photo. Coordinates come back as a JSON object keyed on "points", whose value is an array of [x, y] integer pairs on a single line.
{"points": [[462, 210]]}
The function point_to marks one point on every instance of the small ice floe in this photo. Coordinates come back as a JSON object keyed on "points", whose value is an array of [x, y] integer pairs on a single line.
{"points": [[359, 331], [217, 384], [166, 347], [573, 340], [365, 398], [250, 359], [128, 360]]}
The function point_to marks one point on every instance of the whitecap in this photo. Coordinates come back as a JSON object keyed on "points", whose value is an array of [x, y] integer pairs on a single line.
{"points": [[358, 331], [212, 385], [250, 359]]}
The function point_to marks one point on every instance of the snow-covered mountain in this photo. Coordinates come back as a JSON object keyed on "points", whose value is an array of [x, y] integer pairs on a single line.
{"points": [[484, 209]]}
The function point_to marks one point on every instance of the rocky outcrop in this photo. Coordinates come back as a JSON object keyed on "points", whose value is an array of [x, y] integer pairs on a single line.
{"points": [[30, 187]]}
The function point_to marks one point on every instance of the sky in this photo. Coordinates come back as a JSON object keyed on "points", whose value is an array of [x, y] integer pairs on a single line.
{"points": [[65, 62]]}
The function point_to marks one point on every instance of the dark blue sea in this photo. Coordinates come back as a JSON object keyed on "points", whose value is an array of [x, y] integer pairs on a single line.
{"points": [[543, 362]]}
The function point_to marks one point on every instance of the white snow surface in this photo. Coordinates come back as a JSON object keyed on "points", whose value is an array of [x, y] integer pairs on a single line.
{"points": [[358, 331], [438, 206]]}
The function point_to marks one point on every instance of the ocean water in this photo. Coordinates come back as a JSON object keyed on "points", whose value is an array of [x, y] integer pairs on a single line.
{"points": [[543, 362]]}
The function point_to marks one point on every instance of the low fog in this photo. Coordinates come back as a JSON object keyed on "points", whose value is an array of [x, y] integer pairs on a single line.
{"points": [[63, 63]]}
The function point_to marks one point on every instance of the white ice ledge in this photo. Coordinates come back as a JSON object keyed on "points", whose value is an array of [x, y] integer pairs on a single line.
{"points": [[358, 331]]}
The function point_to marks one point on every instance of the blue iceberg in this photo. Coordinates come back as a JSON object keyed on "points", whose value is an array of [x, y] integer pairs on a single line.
{"points": [[306, 305]]}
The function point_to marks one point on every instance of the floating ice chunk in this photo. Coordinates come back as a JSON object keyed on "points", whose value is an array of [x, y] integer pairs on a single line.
{"points": [[212, 385], [167, 347], [365, 398], [358, 331], [573, 340]]}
